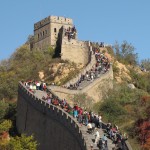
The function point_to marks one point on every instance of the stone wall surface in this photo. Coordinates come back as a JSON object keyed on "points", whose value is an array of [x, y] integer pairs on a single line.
{"points": [[52, 127], [43, 44], [75, 51]]}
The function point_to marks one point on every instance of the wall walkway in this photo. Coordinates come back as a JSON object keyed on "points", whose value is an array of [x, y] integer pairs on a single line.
{"points": [[52, 127], [105, 80]]}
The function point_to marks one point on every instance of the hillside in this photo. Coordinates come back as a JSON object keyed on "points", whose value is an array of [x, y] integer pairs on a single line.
{"points": [[125, 106], [33, 65]]}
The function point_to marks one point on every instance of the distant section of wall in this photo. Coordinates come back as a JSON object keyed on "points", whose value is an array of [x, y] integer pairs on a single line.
{"points": [[52, 127], [94, 89], [75, 51]]}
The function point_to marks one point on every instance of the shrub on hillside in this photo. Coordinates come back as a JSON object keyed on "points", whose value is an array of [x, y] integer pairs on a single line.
{"points": [[124, 53], [3, 109], [83, 101], [23, 143], [146, 64], [5, 126], [142, 131], [20, 143], [141, 81], [110, 50], [112, 110], [115, 69], [115, 106]]}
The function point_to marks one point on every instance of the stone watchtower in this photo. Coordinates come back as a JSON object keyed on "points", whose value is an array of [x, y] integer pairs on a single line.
{"points": [[46, 31], [60, 32]]}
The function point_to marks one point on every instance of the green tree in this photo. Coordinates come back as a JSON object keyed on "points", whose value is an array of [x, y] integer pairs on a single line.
{"points": [[125, 53], [22, 143], [3, 109], [5, 126], [146, 64]]}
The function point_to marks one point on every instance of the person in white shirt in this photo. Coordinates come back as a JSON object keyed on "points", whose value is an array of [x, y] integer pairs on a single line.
{"points": [[89, 127], [100, 121], [97, 136], [38, 85]]}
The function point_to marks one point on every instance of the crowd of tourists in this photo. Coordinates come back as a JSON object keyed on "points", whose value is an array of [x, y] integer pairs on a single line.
{"points": [[71, 33], [116, 136], [92, 121], [32, 86], [102, 66], [35, 85], [99, 44]]}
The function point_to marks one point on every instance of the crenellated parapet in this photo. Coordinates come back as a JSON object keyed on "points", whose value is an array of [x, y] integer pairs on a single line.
{"points": [[53, 19], [49, 124]]}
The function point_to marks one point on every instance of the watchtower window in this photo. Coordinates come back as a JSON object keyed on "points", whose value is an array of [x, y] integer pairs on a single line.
{"points": [[43, 33], [55, 30], [38, 36]]}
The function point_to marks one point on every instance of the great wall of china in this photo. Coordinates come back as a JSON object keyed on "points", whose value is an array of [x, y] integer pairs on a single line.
{"points": [[52, 127]]}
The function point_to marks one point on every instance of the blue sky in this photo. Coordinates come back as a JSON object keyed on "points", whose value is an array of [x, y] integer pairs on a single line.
{"points": [[98, 20]]}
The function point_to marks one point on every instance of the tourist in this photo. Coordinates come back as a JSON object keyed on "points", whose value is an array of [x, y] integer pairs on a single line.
{"points": [[89, 127], [97, 136], [104, 138], [49, 100], [37, 85], [101, 144], [100, 121]]}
